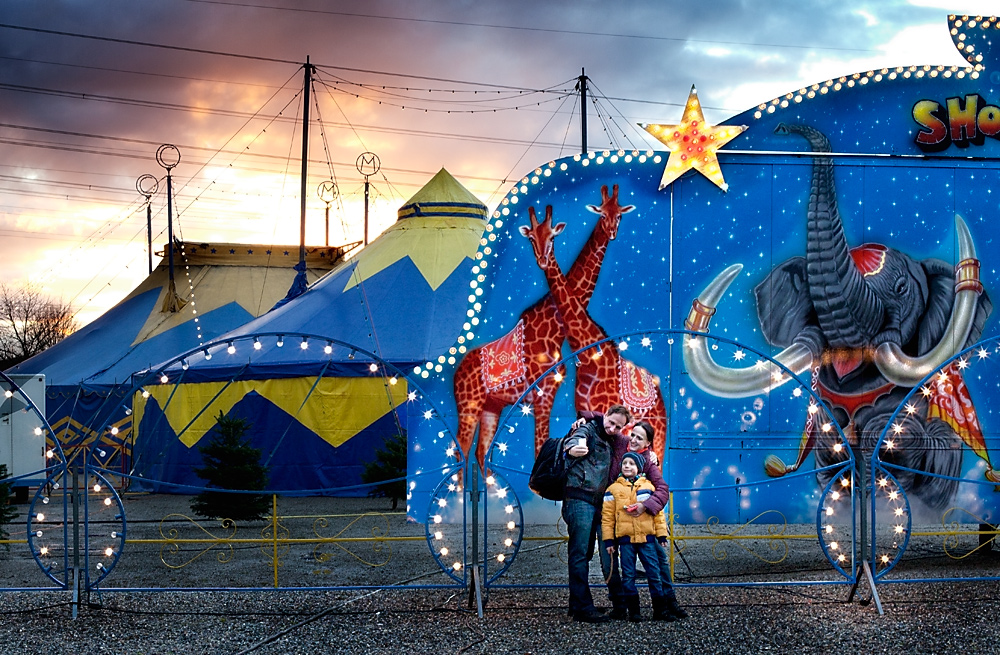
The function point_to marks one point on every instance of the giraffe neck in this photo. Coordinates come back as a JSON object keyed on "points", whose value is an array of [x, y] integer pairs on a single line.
{"points": [[581, 330], [582, 277]]}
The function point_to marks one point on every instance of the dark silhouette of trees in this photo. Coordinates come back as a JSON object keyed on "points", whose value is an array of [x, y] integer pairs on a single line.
{"points": [[30, 322]]}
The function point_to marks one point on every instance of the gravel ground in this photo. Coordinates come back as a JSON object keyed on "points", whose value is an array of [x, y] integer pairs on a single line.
{"points": [[919, 617]]}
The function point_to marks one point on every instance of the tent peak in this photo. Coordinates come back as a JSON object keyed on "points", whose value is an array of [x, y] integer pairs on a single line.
{"points": [[445, 197]]}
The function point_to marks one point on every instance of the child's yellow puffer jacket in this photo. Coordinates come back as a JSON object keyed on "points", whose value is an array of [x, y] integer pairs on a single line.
{"points": [[617, 526]]}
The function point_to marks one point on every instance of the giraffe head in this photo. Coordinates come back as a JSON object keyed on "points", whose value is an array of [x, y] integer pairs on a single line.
{"points": [[610, 211], [542, 236]]}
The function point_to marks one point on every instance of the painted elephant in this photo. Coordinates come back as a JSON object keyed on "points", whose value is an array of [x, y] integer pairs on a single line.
{"points": [[867, 323]]}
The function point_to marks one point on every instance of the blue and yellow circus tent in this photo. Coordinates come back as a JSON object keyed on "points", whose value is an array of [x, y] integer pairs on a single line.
{"points": [[219, 286], [303, 374]]}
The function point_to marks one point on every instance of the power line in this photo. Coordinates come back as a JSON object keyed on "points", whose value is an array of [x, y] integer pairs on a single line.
{"points": [[220, 53], [135, 72], [521, 28]]}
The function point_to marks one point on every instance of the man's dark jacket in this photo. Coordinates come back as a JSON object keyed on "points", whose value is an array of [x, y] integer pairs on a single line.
{"points": [[589, 476]]}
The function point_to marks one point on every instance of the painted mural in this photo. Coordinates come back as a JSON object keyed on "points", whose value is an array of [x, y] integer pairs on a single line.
{"points": [[774, 293]]}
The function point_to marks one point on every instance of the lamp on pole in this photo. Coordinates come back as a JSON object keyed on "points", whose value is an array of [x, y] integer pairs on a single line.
{"points": [[327, 192], [147, 185], [367, 164], [168, 156]]}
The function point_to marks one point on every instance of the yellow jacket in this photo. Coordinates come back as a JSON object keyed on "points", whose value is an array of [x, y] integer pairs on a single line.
{"points": [[617, 525]]}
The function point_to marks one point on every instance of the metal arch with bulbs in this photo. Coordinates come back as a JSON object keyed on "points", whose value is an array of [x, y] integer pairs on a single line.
{"points": [[106, 543], [47, 523], [646, 339], [889, 496], [175, 371], [448, 517]]}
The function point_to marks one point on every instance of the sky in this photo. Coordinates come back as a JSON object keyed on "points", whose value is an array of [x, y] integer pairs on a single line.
{"points": [[90, 89]]}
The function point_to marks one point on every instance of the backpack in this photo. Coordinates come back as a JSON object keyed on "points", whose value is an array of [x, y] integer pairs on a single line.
{"points": [[548, 475]]}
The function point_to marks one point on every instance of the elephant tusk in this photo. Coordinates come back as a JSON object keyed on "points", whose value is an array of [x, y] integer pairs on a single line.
{"points": [[733, 382], [906, 371]]}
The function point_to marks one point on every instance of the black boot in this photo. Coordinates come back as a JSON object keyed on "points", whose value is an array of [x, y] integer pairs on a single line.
{"points": [[619, 609], [634, 613], [661, 611], [675, 610]]}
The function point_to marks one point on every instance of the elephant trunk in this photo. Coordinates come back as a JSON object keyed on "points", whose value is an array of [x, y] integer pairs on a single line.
{"points": [[847, 309]]}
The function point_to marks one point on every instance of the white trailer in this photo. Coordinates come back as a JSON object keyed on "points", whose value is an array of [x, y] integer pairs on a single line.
{"points": [[22, 436]]}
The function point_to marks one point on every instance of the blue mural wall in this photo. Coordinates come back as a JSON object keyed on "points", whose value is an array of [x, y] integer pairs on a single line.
{"points": [[909, 149]]}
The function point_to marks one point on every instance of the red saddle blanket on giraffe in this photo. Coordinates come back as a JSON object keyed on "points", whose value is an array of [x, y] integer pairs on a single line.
{"points": [[503, 360], [636, 387]]}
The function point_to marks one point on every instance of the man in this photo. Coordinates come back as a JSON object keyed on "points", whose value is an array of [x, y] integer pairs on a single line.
{"points": [[597, 447]]}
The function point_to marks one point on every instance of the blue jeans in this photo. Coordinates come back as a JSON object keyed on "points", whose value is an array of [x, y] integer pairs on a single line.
{"points": [[664, 556], [646, 552], [583, 524]]}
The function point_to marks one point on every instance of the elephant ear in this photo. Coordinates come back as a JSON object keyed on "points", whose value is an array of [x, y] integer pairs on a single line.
{"points": [[940, 297], [784, 307]]}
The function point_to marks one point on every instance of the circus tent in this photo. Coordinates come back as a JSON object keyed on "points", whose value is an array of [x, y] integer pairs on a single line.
{"points": [[303, 374], [221, 286]]}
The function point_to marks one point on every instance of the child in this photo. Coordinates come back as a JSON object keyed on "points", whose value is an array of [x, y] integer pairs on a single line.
{"points": [[634, 536], [641, 441]]}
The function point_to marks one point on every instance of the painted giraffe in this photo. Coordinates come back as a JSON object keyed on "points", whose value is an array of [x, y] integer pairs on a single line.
{"points": [[603, 376], [533, 345]]}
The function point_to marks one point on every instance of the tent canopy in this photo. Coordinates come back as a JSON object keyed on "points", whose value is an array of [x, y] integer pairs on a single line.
{"points": [[223, 285]]}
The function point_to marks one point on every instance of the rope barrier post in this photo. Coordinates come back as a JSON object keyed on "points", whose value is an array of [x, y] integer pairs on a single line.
{"points": [[473, 487], [670, 516], [75, 497], [274, 535]]}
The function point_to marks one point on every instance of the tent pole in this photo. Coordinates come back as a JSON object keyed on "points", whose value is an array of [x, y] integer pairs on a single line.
{"points": [[305, 162], [582, 85]]}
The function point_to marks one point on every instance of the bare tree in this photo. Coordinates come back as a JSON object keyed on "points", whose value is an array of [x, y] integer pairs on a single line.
{"points": [[30, 322]]}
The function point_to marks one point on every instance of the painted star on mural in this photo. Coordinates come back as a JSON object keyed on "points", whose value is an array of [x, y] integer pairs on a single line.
{"points": [[694, 144]]}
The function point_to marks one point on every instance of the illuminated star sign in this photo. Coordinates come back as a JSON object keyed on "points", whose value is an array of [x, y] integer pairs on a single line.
{"points": [[694, 144]]}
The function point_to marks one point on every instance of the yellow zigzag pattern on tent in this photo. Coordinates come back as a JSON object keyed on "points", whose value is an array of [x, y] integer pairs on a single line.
{"points": [[336, 409], [69, 431]]}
